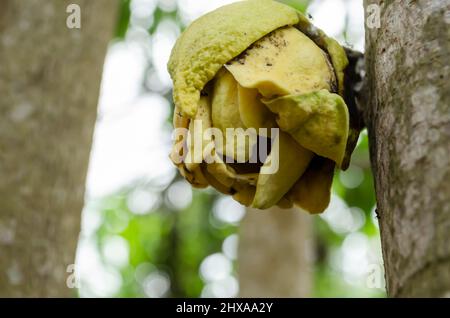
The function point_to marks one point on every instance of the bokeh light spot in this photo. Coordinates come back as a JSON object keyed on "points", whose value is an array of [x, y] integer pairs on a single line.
{"points": [[215, 267], [228, 211], [179, 195]]}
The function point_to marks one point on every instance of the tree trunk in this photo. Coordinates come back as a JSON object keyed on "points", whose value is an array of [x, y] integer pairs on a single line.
{"points": [[274, 253], [408, 117], [49, 83]]}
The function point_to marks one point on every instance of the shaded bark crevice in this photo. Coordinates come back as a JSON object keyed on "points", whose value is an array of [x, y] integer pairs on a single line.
{"points": [[429, 281]]}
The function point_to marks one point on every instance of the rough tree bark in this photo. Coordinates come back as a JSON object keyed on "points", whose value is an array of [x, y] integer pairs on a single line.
{"points": [[408, 117], [275, 254], [49, 84]]}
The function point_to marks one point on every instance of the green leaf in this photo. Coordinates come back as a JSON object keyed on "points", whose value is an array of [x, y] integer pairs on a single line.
{"points": [[124, 19]]}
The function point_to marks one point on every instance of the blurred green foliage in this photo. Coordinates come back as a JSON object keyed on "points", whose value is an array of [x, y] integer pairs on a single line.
{"points": [[165, 239], [123, 20], [300, 5]]}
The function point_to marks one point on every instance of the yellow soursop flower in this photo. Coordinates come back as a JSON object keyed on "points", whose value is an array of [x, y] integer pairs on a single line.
{"points": [[258, 70]]}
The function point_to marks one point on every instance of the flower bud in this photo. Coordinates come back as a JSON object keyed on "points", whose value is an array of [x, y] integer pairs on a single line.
{"points": [[259, 107]]}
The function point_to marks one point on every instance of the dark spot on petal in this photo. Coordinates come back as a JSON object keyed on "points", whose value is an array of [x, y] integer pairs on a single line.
{"points": [[337, 139]]}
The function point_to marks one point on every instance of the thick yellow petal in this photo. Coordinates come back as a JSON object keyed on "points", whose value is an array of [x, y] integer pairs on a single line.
{"points": [[284, 62], [226, 180], [245, 195], [331, 46], [319, 121], [253, 113], [218, 37], [190, 169], [293, 160], [197, 128], [313, 191], [285, 203], [227, 176], [226, 117], [215, 183], [340, 61], [225, 108], [195, 177]]}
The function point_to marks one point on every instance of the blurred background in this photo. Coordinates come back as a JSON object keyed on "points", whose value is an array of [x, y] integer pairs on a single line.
{"points": [[145, 231]]}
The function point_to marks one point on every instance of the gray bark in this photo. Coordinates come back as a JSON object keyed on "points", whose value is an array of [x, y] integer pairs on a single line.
{"points": [[275, 253], [408, 117], [49, 84]]}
